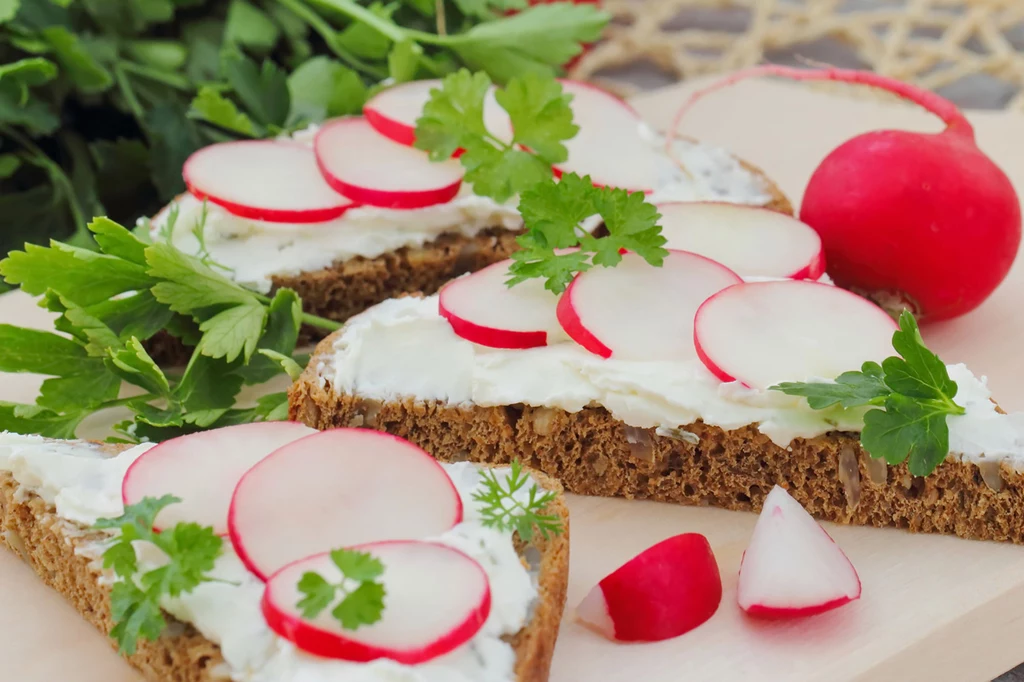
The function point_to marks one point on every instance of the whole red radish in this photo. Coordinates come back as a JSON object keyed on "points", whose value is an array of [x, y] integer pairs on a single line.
{"points": [[663, 592], [924, 221]]}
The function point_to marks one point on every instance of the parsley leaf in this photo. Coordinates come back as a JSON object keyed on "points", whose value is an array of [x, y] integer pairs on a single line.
{"points": [[541, 119], [502, 504], [913, 393], [191, 551], [263, 90], [212, 107], [553, 213], [360, 605]]}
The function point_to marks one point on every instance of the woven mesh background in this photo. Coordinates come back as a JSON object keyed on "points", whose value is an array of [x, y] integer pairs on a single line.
{"points": [[971, 51]]}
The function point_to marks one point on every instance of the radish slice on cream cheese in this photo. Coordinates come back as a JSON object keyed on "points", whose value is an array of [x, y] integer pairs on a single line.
{"points": [[481, 308], [393, 112], [435, 599], [370, 169], [335, 489], [792, 567], [202, 469], [609, 146], [663, 592], [750, 240], [763, 333], [269, 180], [636, 311]]}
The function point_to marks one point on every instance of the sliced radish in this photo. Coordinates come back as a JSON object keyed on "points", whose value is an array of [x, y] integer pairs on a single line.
{"points": [[481, 308], [761, 333], [271, 180], [636, 311], [335, 489], [435, 599], [663, 592], [369, 168], [792, 567], [752, 241], [393, 112], [203, 469], [609, 146]]}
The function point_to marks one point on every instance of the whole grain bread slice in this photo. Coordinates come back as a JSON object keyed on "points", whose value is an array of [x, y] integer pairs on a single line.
{"points": [[593, 453], [30, 527], [348, 287]]}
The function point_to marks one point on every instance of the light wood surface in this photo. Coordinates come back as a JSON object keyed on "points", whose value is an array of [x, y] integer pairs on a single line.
{"points": [[934, 609]]}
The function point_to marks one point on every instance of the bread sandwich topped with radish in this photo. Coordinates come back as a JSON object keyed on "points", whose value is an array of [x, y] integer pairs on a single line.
{"points": [[695, 353], [270, 552], [423, 187]]}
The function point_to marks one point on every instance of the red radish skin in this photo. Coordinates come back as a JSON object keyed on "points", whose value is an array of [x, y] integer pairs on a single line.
{"points": [[345, 150], [489, 336], [203, 468], [573, 325], [338, 488], [406, 602], [664, 592], [204, 182], [792, 567], [389, 128], [924, 221]]}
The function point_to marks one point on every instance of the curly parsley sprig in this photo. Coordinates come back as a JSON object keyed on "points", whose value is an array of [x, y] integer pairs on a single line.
{"points": [[502, 506], [553, 212], [191, 551], [362, 600], [911, 395]]}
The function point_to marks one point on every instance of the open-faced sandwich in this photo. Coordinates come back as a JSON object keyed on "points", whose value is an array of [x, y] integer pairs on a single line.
{"points": [[709, 366], [272, 553], [354, 212]]}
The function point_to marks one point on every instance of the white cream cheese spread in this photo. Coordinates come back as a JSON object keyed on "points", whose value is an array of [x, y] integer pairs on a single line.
{"points": [[403, 348], [254, 250], [84, 485]]}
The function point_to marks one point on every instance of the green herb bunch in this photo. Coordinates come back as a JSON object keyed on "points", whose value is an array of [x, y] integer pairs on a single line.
{"points": [[101, 101]]}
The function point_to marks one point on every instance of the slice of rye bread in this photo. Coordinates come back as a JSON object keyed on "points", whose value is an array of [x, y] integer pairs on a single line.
{"points": [[593, 453], [348, 287], [30, 527]]}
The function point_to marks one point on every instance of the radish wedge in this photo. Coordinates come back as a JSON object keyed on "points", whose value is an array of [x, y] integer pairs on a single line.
{"points": [[481, 308], [335, 489], [803, 331], [270, 180], [609, 146], [203, 469], [393, 112], [663, 592], [369, 168], [435, 599], [792, 567], [635, 311], [750, 240]]}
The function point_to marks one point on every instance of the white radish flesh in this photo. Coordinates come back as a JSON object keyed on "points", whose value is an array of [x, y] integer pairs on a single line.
{"points": [[481, 308], [202, 469], [636, 311], [609, 146], [763, 333], [335, 489], [393, 112], [750, 240], [370, 169], [435, 599], [792, 567], [270, 180]]}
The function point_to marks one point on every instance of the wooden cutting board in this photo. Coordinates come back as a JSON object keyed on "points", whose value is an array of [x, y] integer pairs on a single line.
{"points": [[934, 609]]}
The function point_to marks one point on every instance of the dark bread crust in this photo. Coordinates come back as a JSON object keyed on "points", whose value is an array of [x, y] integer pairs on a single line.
{"points": [[30, 528], [592, 453], [348, 287]]}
